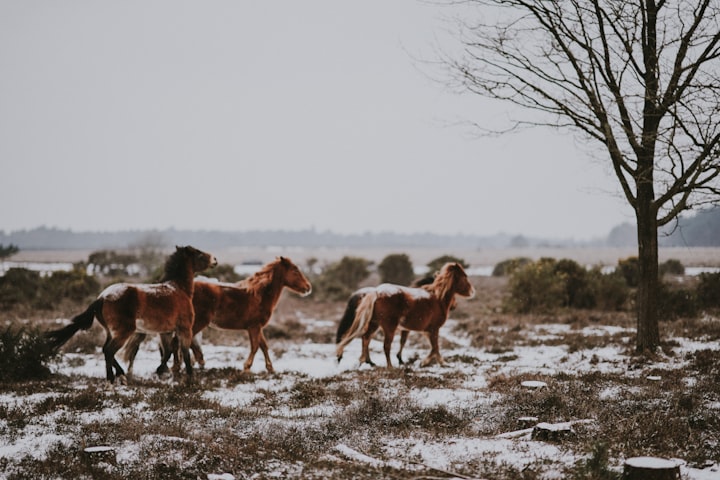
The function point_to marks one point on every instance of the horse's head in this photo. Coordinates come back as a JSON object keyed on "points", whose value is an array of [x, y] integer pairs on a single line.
{"points": [[199, 260], [294, 278], [457, 280]]}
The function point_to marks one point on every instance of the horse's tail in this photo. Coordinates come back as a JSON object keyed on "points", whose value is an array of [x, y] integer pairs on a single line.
{"points": [[349, 316], [360, 323], [58, 338], [132, 346]]}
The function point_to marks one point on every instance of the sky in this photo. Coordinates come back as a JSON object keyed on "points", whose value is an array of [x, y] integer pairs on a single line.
{"points": [[242, 115]]}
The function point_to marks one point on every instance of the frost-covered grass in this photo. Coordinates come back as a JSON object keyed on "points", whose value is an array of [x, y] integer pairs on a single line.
{"points": [[316, 418]]}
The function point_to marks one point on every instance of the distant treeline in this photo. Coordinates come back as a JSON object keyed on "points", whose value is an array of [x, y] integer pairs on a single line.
{"points": [[699, 230], [702, 229], [44, 238]]}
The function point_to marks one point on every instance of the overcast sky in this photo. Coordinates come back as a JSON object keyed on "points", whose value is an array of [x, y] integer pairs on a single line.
{"points": [[240, 115]]}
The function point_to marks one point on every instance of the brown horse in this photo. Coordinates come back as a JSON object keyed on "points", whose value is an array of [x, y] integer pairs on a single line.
{"points": [[354, 301], [423, 309], [246, 305], [123, 309]]}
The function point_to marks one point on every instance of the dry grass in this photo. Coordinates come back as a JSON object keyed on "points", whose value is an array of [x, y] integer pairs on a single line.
{"points": [[177, 431]]}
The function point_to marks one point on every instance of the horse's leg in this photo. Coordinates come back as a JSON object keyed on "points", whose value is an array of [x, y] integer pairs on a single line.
{"points": [[389, 333], [166, 349], [254, 335], [197, 351], [188, 360], [434, 349], [111, 347], [183, 337], [109, 359], [131, 349], [365, 355], [176, 354], [403, 339], [264, 348]]}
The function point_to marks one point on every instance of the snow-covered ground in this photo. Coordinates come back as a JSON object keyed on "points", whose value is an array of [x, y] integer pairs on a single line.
{"points": [[296, 362]]}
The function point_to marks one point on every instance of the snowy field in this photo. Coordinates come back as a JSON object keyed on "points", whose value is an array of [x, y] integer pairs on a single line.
{"points": [[462, 385]]}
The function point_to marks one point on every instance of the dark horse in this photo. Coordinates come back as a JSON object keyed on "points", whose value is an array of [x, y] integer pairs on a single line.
{"points": [[349, 314], [246, 305], [423, 309], [124, 308]]}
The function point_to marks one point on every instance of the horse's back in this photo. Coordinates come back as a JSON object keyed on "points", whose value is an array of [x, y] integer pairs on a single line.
{"points": [[223, 305], [120, 300], [155, 307], [206, 301], [406, 307]]}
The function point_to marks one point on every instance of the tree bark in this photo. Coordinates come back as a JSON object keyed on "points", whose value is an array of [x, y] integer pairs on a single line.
{"points": [[648, 332]]}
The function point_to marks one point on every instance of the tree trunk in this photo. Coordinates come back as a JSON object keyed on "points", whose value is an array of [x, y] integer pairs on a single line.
{"points": [[650, 468], [648, 332]]}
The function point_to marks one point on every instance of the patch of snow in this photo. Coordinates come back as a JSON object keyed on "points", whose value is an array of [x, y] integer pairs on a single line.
{"points": [[533, 384], [235, 397], [35, 443], [651, 463], [448, 397]]}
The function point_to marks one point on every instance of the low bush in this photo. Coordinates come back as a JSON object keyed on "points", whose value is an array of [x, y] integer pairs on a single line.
{"points": [[22, 287], [536, 288], [24, 355], [611, 291], [578, 293], [508, 267], [675, 303], [341, 278], [75, 286], [18, 286], [706, 292], [671, 267], [396, 268], [436, 264], [546, 285], [224, 273], [629, 268]]}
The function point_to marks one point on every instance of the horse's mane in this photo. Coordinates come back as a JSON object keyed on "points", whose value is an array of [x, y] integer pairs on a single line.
{"points": [[262, 278], [176, 265], [444, 280]]}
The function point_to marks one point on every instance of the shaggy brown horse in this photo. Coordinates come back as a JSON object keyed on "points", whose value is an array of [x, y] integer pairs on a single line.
{"points": [[124, 308], [351, 309], [423, 309], [246, 305]]}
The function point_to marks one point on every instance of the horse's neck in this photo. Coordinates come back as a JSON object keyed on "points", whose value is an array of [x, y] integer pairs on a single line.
{"points": [[269, 294], [185, 282], [445, 299]]}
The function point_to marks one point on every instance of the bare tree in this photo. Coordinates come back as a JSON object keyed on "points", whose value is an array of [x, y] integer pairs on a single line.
{"points": [[638, 77]]}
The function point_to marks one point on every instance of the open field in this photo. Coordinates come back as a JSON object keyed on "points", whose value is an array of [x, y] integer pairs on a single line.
{"points": [[315, 418]]}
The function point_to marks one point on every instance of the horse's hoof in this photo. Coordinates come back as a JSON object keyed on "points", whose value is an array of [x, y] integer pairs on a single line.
{"points": [[339, 358], [162, 370], [122, 380]]}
